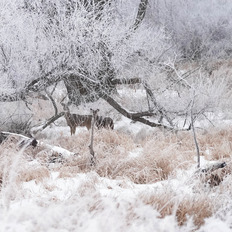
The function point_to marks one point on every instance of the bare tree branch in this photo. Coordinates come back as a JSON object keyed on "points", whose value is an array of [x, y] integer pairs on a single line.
{"points": [[213, 167], [26, 141], [130, 81], [53, 102], [159, 108], [140, 14], [134, 116], [36, 85], [49, 121]]}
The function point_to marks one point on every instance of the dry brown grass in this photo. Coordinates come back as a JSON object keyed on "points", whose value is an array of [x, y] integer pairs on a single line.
{"points": [[166, 203], [14, 164], [104, 140], [33, 173], [222, 177], [159, 159], [68, 171], [167, 154], [161, 155], [218, 142], [199, 209], [9, 155]]}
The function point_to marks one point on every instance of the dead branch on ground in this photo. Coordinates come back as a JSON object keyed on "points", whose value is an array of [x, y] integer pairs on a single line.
{"points": [[24, 142]]}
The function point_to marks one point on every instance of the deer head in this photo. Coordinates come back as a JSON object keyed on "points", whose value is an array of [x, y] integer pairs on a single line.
{"points": [[102, 122]]}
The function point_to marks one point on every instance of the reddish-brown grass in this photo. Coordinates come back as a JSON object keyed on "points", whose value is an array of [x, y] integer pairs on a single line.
{"points": [[166, 203], [160, 156], [159, 159]]}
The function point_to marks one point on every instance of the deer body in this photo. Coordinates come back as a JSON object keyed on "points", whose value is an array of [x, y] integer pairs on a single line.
{"points": [[106, 122], [74, 120]]}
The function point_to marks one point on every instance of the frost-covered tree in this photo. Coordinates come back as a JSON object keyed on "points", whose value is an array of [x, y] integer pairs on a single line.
{"points": [[93, 46], [200, 29]]}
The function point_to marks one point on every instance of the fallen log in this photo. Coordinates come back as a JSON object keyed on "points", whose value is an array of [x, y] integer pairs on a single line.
{"points": [[213, 167], [26, 141], [209, 176]]}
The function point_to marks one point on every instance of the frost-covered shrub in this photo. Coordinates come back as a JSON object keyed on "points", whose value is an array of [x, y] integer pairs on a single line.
{"points": [[200, 29]]}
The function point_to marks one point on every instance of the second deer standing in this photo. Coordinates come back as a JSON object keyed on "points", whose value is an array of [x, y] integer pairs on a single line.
{"points": [[75, 120]]}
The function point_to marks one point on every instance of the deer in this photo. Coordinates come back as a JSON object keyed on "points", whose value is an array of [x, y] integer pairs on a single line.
{"points": [[103, 122], [75, 120]]}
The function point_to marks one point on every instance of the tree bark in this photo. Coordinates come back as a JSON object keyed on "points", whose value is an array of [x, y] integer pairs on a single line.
{"points": [[140, 14]]}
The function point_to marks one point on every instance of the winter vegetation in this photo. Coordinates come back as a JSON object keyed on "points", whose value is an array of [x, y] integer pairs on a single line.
{"points": [[115, 115]]}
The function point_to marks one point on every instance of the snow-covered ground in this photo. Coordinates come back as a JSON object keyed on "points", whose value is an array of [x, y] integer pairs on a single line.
{"points": [[87, 202]]}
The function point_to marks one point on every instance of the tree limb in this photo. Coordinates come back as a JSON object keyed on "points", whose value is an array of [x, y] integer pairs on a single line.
{"points": [[133, 116], [131, 81], [53, 102], [213, 167], [138, 20], [51, 120], [140, 14], [26, 141], [159, 108], [34, 86], [20, 95]]}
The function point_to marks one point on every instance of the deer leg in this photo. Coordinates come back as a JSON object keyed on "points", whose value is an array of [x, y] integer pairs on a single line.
{"points": [[71, 130], [112, 125]]}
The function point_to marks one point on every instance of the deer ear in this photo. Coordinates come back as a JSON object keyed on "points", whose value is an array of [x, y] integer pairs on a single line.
{"points": [[91, 109], [97, 110]]}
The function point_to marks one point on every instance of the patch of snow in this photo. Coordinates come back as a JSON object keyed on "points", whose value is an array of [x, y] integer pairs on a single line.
{"points": [[137, 130], [215, 225], [65, 153], [136, 152]]}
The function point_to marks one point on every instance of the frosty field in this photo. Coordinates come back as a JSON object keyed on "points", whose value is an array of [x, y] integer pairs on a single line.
{"points": [[115, 116], [148, 185]]}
